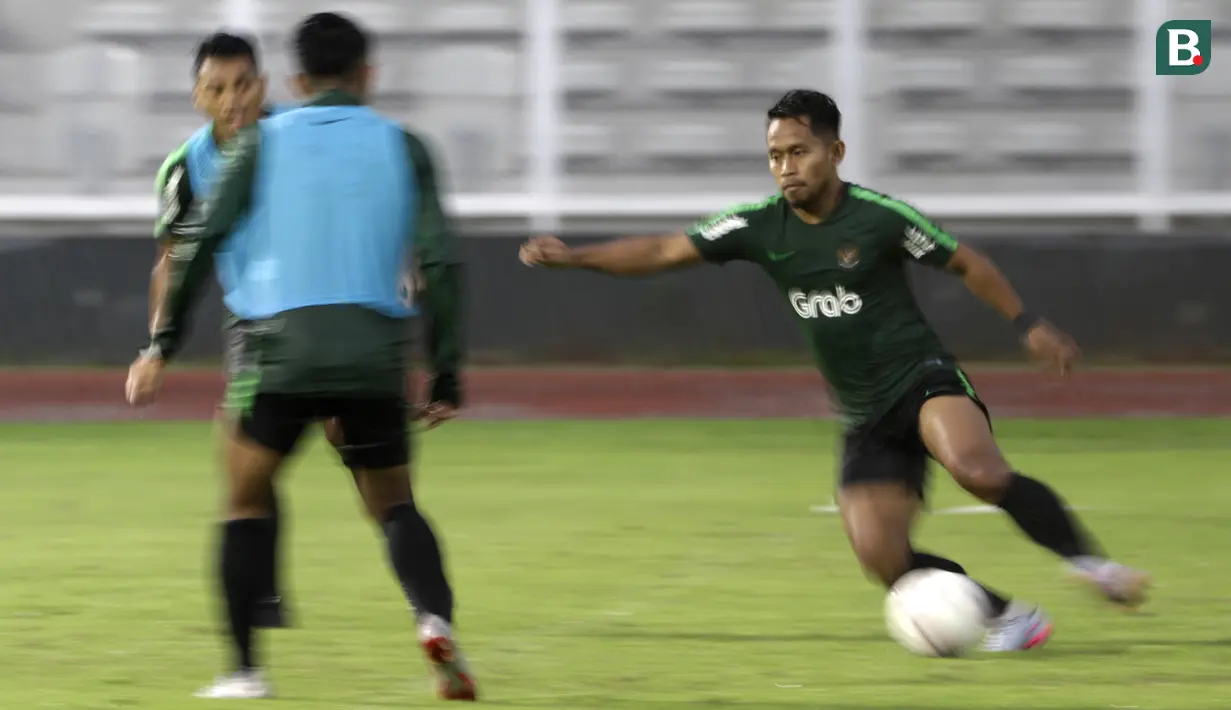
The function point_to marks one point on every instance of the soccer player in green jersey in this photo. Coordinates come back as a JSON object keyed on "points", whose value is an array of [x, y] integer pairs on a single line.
{"points": [[838, 252], [229, 90]]}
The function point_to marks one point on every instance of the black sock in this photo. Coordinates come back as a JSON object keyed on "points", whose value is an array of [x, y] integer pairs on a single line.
{"points": [[245, 556], [1040, 513], [270, 587], [416, 559], [924, 560]]}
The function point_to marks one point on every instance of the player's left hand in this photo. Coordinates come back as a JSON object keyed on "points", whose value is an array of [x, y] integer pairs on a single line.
{"points": [[1048, 344], [144, 379], [434, 414]]}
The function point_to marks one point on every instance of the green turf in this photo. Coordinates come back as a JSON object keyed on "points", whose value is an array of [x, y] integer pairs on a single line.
{"points": [[649, 565]]}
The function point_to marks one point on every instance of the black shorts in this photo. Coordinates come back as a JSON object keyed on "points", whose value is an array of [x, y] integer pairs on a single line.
{"points": [[890, 449], [374, 426]]}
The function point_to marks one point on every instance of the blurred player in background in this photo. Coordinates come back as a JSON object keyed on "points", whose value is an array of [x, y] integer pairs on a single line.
{"points": [[229, 90], [838, 252], [336, 197]]}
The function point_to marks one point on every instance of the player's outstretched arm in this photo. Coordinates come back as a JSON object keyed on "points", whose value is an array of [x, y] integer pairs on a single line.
{"points": [[630, 256]]}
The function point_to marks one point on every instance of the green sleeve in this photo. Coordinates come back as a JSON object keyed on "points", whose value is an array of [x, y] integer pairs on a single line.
{"points": [[921, 239], [198, 236], [731, 235], [174, 193], [438, 254]]}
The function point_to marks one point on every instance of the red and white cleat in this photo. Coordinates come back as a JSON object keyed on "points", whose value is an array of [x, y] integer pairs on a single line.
{"points": [[1018, 629], [1117, 583], [454, 680]]}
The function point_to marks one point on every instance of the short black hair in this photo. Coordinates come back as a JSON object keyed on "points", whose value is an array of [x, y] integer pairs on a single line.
{"points": [[330, 46], [223, 45], [820, 109]]}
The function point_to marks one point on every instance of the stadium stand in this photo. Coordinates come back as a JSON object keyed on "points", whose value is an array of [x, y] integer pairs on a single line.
{"points": [[664, 95]]}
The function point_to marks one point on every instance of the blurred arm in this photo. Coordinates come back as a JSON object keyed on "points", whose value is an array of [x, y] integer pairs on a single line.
{"points": [[636, 256], [195, 240], [158, 285], [439, 281], [985, 281]]}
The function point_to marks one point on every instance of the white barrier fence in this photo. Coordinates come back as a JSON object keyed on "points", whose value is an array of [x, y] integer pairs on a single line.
{"points": [[61, 209]]}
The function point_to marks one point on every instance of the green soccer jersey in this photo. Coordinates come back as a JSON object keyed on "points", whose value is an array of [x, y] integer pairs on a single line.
{"points": [[846, 280]]}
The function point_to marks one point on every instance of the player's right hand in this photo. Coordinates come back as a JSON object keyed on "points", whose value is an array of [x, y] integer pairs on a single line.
{"points": [[544, 251], [144, 379], [1048, 344]]}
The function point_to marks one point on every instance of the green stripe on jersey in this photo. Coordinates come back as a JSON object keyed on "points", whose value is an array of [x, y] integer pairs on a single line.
{"points": [[176, 155], [160, 184], [911, 214]]}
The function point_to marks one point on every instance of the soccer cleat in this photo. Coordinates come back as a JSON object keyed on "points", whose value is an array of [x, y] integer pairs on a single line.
{"points": [[271, 613], [241, 685], [1117, 583], [453, 678], [1018, 629]]}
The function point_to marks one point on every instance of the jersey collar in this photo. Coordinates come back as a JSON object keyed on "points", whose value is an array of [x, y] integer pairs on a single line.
{"points": [[839, 211], [334, 97]]}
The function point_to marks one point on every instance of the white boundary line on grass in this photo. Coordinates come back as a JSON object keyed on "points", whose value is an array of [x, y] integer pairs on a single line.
{"points": [[832, 509]]}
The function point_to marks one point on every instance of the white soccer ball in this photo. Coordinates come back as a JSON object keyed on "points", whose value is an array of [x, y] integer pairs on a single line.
{"points": [[931, 612]]}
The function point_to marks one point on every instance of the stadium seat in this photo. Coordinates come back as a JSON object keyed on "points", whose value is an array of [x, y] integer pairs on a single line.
{"points": [[24, 85], [712, 74], [1062, 137], [927, 16], [775, 73], [598, 17], [946, 137], [702, 136], [28, 146], [1069, 16], [707, 16], [168, 76], [477, 138], [1218, 11], [151, 19], [924, 74], [101, 71], [593, 141], [471, 17], [590, 76], [795, 16], [684, 140], [1048, 72], [387, 19], [466, 70]]}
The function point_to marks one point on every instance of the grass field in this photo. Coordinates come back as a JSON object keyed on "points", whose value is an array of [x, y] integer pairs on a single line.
{"points": [[669, 565]]}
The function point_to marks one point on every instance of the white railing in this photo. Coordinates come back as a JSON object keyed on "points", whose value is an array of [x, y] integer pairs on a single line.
{"points": [[76, 209]]}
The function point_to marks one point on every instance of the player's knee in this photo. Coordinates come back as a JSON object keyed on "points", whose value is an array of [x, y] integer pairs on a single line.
{"points": [[383, 489], [985, 476]]}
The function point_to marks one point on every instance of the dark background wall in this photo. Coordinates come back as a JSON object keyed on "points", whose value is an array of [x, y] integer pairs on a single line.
{"points": [[1126, 298]]}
